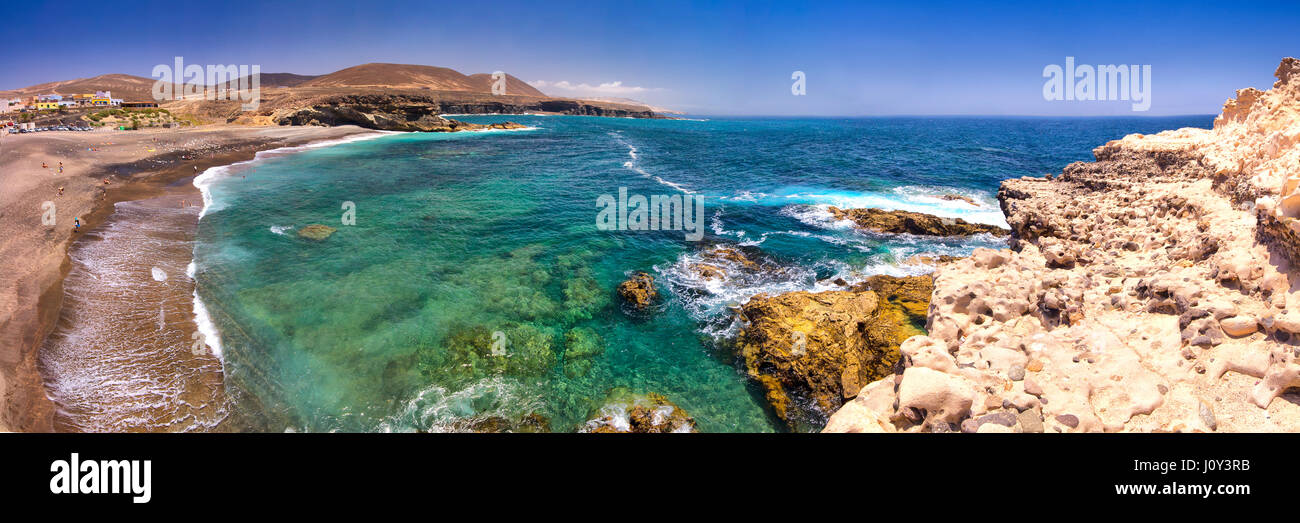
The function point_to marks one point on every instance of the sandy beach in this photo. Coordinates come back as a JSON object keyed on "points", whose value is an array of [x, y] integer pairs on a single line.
{"points": [[55, 179]]}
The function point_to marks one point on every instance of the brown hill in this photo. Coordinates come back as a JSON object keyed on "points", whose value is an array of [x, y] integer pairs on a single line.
{"points": [[123, 86], [285, 79], [399, 76], [514, 86]]}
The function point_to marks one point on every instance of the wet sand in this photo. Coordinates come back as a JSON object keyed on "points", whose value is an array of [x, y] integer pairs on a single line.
{"points": [[152, 171]]}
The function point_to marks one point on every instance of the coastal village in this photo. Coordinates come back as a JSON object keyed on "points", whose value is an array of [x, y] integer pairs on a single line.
{"points": [[24, 114]]}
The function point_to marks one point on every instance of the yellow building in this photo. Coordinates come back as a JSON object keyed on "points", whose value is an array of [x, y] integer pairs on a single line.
{"points": [[101, 101], [47, 105]]}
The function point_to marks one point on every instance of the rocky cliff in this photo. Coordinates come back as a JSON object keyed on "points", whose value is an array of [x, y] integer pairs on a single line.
{"points": [[389, 109], [399, 112], [1150, 290]]}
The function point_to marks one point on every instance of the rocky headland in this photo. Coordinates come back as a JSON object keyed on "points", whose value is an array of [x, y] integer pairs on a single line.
{"points": [[396, 111], [1150, 290]]}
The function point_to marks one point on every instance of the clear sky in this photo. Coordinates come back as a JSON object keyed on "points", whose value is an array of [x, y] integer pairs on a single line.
{"points": [[860, 58]]}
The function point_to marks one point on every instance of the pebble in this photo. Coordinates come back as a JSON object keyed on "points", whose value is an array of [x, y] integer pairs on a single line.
{"points": [[1003, 418], [1031, 421], [1069, 420], [1016, 373], [970, 426], [1207, 416], [1032, 387], [1035, 365]]}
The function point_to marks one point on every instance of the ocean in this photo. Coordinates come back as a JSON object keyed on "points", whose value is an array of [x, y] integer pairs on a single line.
{"points": [[461, 245]]}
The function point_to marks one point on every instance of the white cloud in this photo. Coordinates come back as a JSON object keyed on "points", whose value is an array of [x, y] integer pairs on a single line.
{"points": [[607, 88]]}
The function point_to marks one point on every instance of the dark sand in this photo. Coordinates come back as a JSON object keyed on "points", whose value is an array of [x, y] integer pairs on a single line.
{"points": [[139, 165]]}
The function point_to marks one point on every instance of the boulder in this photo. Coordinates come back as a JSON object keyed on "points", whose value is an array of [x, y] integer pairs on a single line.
{"points": [[638, 290], [825, 346]]}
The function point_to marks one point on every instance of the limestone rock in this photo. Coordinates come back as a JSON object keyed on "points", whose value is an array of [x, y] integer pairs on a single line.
{"points": [[826, 345], [1134, 285]]}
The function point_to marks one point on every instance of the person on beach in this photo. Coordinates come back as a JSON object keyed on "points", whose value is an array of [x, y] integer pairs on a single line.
{"points": [[60, 167], [60, 190], [77, 223]]}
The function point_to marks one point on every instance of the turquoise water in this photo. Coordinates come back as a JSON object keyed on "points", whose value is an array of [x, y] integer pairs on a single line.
{"points": [[461, 240]]}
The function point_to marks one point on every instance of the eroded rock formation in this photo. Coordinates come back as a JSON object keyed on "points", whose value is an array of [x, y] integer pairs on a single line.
{"points": [[638, 290], [416, 112], [813, 351], [1150, 290], [895, 222]]}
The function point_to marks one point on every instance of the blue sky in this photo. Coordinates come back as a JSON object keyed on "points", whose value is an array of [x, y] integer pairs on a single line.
{"points": [[860, 58]]}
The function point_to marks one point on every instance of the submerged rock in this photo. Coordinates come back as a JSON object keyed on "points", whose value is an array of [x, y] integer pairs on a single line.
{"points": [[720, 261], [316, 232], [626, 412], [639, 290], [581, 347], [730, 263], [531, 423], [898, 222], [910, 293], [958, 197]]}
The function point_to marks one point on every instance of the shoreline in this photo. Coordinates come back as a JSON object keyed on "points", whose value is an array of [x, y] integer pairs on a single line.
{"points": [[31, 305], [1152, 289]]}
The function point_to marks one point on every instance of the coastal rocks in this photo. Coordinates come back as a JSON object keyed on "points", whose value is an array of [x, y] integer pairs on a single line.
{"points": [[720, 262], [383, 112], [410, 111], [896, 222], [1137, 287], [936, 395], [316, 232], [957, 197], [629, 413], [824, 346], [638, 290]]}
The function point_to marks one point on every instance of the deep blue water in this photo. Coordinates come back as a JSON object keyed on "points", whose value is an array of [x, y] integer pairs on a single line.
{"points": [[463, 238]]}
